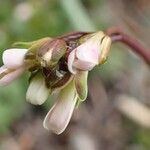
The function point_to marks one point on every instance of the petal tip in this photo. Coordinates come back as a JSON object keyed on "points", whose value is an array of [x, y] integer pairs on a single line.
{"points": [[14, 58]]}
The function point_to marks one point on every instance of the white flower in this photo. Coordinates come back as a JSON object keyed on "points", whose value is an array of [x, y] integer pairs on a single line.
{"points": [[59, 115], [13, 67], [87, 55], [45, 59]]}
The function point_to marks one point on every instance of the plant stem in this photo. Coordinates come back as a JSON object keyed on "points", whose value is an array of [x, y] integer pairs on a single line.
{"points": [[119, 36]]}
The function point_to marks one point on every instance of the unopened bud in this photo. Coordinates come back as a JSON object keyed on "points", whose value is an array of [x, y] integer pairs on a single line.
{"points": [[51, 52], [34, 47], [86, 56], [105, 43]]}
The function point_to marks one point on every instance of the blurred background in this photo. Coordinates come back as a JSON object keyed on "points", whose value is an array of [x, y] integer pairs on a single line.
{"points": [[116, 115]]}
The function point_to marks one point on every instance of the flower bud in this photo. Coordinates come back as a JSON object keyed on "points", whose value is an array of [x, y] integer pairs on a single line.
{"points": [[34, 48], [87, 55], [51, 52]]}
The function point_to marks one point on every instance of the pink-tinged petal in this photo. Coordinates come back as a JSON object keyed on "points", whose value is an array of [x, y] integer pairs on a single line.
{"points": [[71, 59], [87, 55], [82, 65], [14, 58], [88, 52], [59, 116], [9, 75]]}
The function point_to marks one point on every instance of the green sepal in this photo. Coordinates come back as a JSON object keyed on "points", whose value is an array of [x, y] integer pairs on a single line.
{"points": [[34, 47], [51, 52], [79, 101], [81, 84], [39, 43], [26, 45], [85, 38]]}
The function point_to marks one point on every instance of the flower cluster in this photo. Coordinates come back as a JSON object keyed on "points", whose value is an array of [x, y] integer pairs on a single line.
{"points": [[56, 67]]}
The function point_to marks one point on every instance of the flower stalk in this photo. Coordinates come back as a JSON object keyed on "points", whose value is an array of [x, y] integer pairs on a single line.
{"points": [[117, 35]]}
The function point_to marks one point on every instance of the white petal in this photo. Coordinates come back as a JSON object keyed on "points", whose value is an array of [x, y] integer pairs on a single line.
{"points": [[82, 65], [10, 75], [14, 58], [71, 59], [88, 52], [59, 115], [86, 56], [37, 92]]}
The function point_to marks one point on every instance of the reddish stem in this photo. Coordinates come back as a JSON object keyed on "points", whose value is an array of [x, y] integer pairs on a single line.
{"points": [[117, 35]]}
